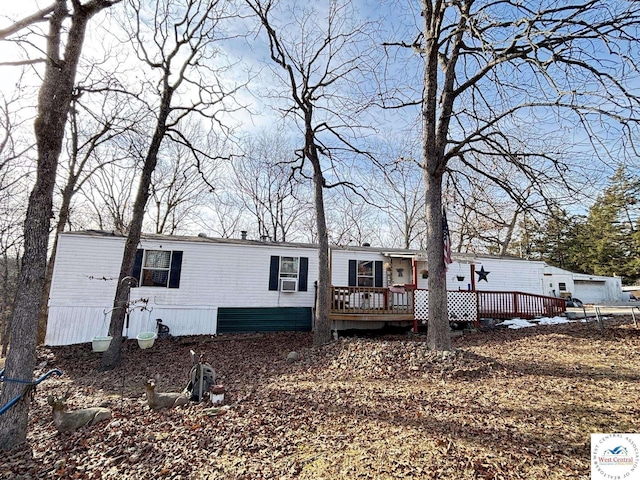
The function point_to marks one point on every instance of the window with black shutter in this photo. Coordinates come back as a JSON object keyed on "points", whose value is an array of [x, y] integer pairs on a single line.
{"points": [[365, 273], [288, 274], [158, 268]]}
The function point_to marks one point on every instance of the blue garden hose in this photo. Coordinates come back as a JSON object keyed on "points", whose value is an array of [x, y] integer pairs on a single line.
{"points": [[26, 382]]}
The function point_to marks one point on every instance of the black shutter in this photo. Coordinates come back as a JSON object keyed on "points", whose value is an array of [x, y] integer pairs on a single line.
{"points": [[353, 264], [302, 276], [176, 267], [274, 270], [378, 274], [137, 268]]}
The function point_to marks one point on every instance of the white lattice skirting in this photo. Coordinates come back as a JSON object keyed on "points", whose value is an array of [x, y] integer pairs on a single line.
{"points": [[461, 306]]}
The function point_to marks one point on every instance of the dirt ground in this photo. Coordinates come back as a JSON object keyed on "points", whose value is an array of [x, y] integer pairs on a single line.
{"points": [[507, 404]]}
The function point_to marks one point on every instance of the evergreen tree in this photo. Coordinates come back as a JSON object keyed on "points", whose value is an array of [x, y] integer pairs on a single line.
{"points": [[559, 241], [612, 243]]}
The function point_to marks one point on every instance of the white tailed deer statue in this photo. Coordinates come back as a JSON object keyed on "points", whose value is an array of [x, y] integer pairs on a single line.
{"points": [[66, 421], [157, 401]]}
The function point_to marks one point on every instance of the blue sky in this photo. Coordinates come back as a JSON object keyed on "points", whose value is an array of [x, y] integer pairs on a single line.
{"points": [[400, 18]]}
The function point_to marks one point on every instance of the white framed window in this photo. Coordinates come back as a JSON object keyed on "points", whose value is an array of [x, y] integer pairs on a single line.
{"points": [[289, 267], [365, 277], [288, 274], [155, 268], [365, 273]]}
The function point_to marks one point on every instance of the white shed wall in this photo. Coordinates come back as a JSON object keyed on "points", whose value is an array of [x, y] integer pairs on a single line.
{"points": [[599, 290], [587, 288], [590, 292], [552, 284]]}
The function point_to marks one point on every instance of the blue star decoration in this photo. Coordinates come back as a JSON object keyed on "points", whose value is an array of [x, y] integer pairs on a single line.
{"points": [[482, 275]]}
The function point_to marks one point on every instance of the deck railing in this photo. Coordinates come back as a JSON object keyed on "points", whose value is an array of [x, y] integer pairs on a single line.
{"points": [[518, 304], [462, 305], [371, 300]]}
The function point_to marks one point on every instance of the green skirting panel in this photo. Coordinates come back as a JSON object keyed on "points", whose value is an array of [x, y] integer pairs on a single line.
{"points": [[243, 320]]}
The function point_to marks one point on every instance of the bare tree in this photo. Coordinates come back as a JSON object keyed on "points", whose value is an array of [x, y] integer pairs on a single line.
{"points": [[63, 48], [223, 213], [487, 66], [175, 40], [14, 175], [94, 130], [108, 195], [403, 201], [180, 185], [351, 219], [493, 195], [484, 217], [321, 57], [264, 180]]}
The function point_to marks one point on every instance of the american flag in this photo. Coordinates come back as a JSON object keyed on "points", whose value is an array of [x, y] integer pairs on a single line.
{"points": [[446, 238]]}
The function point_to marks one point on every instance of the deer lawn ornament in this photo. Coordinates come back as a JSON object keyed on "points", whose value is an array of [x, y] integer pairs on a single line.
{"points": [[157, 400], [67, 421]]}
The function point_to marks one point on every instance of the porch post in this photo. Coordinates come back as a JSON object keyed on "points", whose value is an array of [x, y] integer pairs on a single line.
{"points": [[473, 277], [414, 270]]}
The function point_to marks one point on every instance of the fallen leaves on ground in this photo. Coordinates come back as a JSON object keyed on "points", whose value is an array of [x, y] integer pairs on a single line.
{"points": [[505, 404]]}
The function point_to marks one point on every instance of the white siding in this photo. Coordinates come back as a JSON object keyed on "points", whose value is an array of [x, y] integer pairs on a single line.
{"points": [[507, 275], [229, 275], [455, 269], [213, 275], [422, 282], [340, 265], [181, 320], [86, 271], [218, 273], [587, 288], [68, 325]]}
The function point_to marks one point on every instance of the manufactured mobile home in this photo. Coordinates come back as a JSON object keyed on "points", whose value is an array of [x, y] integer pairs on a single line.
{"points": [[202, 285], [196, 285]]}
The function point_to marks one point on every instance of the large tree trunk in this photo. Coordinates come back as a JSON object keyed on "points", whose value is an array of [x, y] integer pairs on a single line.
{"points": [[322, 329], [438, 331], [436, 114], [53, 105]]}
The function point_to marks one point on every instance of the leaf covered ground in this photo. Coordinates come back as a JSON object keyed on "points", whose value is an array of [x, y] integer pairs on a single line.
{"points": [[506, 404]]}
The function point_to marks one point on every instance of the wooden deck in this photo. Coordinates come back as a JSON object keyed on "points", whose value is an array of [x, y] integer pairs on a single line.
{"points": [[406, 304], [372, 304], [372, 317]]}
